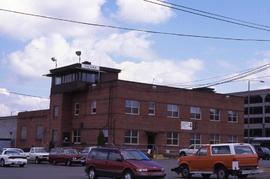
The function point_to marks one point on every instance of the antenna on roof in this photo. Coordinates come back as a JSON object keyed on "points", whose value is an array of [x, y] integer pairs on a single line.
{"points": [[78, 53]]}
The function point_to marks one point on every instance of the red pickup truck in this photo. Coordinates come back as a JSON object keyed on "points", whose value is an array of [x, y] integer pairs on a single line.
{"points": [[221, 159]]}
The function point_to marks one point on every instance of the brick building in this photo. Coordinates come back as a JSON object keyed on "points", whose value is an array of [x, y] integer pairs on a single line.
{"points": [[87, 99]]}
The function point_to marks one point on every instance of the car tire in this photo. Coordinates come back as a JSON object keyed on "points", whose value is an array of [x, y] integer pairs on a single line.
{"points": [[21, 165], [185, 171], [222, 173], [92, 173], [206, 175], [182, 154], [2, 163], [128, 175]]}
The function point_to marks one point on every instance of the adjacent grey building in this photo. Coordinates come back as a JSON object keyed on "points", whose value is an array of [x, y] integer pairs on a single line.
{"points": [[256, 115], [8, 128]]}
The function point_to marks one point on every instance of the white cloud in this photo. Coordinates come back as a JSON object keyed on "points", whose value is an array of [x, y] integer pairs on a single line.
{"points": [[26, 27], [142, 12], [162, 71], [12, 104]]}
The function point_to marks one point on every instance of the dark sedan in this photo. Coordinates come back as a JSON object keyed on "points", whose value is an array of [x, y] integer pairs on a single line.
{"points": [[66, 156]]}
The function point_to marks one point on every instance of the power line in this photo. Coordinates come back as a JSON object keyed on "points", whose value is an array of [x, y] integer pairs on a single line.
{"points": [[214, 14], [28, 95], [135, 29], [218, 17]]}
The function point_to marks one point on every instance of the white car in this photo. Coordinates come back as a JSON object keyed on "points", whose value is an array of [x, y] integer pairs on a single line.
{"points": [[12, 156], [192, 149], [38, 154]]}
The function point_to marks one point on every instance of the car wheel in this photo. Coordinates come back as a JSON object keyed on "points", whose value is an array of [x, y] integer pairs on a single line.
{"points": [[206, 175], [182, 154], [128, 175], [222, 173], [185, 171], [92, 173], [22, 165], [2, 163]]}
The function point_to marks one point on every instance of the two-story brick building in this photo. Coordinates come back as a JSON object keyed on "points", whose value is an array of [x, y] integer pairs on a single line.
{"points": [[87, 99]]}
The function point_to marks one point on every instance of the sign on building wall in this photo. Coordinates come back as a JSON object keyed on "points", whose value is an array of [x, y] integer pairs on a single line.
{"points": [[90, 67], [186, 125]]}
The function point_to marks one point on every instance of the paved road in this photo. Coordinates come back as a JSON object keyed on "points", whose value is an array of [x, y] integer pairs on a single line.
{"points": [[46, 171]]}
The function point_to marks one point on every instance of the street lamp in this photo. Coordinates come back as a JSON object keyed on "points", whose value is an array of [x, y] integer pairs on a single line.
{"points": [[261, 81], [55, 61]]}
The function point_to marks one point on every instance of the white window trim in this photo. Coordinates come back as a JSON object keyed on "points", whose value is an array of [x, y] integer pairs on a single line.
{"points": [[196, 113], [138, 137], [236, 121], [76, 114], [178, 112], [219, 112], [154, 109], [132, 107], [171, 140], [92, 107]]}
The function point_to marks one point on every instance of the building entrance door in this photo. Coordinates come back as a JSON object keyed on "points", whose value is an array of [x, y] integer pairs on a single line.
{"points": [[151, 137]]}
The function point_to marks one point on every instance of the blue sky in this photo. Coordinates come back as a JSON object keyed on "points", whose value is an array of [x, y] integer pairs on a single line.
{"points": [[28, 43]]}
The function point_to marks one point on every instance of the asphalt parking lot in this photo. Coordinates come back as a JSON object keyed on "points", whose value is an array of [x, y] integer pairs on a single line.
{"points": [[47, 171]]}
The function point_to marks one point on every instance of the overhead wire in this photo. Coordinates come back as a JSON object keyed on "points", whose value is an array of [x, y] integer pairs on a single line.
{"points": [[208, 16], [213, 14], [135, 29], [28, 95]]}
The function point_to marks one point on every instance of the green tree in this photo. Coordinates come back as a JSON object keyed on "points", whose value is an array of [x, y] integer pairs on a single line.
{"points": [[100, 139]]}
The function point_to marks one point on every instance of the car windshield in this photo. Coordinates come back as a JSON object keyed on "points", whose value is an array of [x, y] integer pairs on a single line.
{"points": [[41, 150], [265, 149], [134, 155], [12, 152], [70, 151]]}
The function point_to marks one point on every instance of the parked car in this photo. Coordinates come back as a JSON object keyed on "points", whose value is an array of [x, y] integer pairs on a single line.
{"points": [[192, 149], [84, 153], [121, 163], [220, 159], [12, 156], [38, 154], [263, 152], [68, 156]]}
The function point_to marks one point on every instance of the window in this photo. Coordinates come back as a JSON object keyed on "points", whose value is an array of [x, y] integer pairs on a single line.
{"points": [[93, 107], [54, 135], [57, 81], [55, 111], [214, 139], [132, 107], [115, 156], [76, 136], [131, 137], [242, 150], [23, 133], [232, 139], [39, 132], [221, 149], [76, 109], [172, 138], [214, 114], [101, 155], [202, 151], [195, 113], [151, 108], [195, 139], [172, 110], [106, 135], [232, 116]]}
